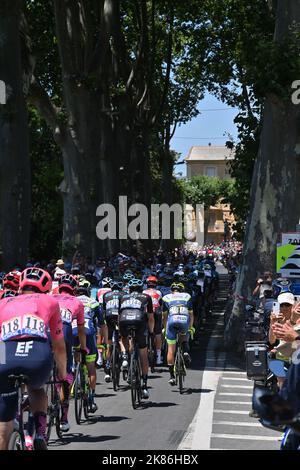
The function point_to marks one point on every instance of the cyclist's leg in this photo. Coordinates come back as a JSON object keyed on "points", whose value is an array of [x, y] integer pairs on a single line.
{"points": [[65, 399], [107, 366], [38, 366], [8, 395], [124, 345], [91, 366], [141, 338], [158, 337], [171, 341]]}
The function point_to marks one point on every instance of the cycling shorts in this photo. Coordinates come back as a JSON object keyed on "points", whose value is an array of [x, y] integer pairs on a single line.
{"points": [[141, 335], [176, 323], [91, 344], [30, 357]]}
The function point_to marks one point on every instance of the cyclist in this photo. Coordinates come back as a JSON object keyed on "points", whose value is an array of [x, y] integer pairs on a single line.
{"points": [[138, 302], [102, 338], [11, 281], [156, 297], [177, 314], [111, 306], [24, 322], [71, 310], [93, 319]]}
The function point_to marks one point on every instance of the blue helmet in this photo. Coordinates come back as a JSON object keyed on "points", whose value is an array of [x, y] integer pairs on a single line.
{"points": [[116, 285], [135, 284]]}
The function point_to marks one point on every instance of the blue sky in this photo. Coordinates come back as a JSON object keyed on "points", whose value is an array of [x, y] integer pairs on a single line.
{"points": [[209, 126]]}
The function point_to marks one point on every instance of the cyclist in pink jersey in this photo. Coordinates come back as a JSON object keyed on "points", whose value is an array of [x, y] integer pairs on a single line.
{"points": [[25, 349], [72, 310], [156, 297]]}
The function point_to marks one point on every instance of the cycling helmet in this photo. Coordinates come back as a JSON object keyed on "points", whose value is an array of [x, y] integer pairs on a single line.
{"points": [[76, 269], [8, 293], [84, 288], [36, 278], [177, 286], [11, 281], [135, 284], [116, 285], [207, 267], [151, 281], [67, 281], [106, 281]]}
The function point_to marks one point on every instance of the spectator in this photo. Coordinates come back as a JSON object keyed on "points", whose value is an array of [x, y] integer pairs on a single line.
{"points": [[59, 270]]}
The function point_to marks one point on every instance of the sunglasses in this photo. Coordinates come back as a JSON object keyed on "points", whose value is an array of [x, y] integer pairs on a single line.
{"points": [[285, 305]]}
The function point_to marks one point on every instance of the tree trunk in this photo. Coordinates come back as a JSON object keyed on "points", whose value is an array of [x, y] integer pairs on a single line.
{"points": [[275, 190], [14, 153]]}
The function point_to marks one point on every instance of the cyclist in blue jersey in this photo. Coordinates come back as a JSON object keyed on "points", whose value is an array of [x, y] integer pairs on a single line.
{"points": [[177, 314]]}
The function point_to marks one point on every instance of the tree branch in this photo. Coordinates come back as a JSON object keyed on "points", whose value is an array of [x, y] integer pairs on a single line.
{"points": [[38, 97], [169, 65]]}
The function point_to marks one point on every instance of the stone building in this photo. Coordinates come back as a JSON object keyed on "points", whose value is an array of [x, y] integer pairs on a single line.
{"points": [[212, 160]]}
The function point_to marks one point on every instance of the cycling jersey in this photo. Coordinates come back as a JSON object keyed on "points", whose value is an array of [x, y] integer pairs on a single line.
{"points": [[132, 306], [178, 306], [156, 297], [30, 316], [173, 302], [111, 304], [136, 300], [71, 308], [101, 293], [92, 316]]}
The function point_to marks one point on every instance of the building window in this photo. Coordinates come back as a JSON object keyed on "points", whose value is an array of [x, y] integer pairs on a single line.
{"points": [[211, 171]]}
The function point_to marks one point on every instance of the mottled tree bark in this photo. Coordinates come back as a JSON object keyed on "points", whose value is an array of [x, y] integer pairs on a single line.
{"points": [[275, 190], [14, 153]]}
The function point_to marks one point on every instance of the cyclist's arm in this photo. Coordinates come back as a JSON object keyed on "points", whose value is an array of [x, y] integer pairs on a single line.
{"points": [[80, 326], [60, 356], [57, 338]]}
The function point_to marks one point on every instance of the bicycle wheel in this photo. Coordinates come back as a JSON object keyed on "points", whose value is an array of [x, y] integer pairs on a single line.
{"points": [[115, 367], [134, 379], [50, 410], [78, 394], [86, 391], [179, 368], [16, 441], [57, 414]]}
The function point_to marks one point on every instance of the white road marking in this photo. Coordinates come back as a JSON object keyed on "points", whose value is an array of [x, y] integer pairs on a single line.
{"points": [[233, 423], [247, 438]]}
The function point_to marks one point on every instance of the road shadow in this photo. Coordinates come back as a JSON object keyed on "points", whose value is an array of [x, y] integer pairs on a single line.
{"points": [[73, 438], [189, 391], [152, 404], [105, 395], [110, 419]]}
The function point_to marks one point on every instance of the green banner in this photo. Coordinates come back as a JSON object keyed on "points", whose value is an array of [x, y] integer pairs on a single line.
{"points": [[283, 253]]}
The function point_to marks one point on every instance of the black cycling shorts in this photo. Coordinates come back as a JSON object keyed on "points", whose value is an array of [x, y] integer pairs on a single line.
{"points": [[29, 357], [140, 334]]}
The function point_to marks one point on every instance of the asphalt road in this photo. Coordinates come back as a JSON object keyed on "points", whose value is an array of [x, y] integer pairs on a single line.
{"points": [[160, 423]]}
